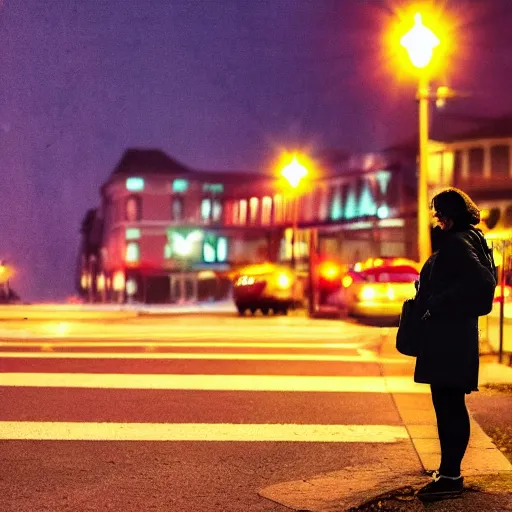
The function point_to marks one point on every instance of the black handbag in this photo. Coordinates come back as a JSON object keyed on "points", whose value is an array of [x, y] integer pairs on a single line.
{"points": [[407, 337]]}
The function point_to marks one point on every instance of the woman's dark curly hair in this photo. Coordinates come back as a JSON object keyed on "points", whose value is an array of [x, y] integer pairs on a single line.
{"points": [[456, 205]]}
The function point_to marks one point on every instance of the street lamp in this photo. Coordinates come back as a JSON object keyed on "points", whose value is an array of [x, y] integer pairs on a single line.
{"points": [[420, 43], [294, 172]]}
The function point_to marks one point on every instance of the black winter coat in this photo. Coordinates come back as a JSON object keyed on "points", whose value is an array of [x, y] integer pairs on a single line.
{"points": [[456, 287]]}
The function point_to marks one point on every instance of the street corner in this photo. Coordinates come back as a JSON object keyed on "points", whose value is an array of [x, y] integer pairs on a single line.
{"points": [[492, 493], [343, 490]]}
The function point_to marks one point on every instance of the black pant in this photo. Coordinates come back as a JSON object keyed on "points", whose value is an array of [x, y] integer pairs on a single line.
{"points": [[452, 427]]}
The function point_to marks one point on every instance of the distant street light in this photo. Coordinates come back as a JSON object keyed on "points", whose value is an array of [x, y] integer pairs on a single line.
{"points": [[294, 173], [420, 43]]}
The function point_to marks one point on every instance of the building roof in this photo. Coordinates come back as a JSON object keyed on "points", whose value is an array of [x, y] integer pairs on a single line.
{"points": [[492, 128], [154, 161]]}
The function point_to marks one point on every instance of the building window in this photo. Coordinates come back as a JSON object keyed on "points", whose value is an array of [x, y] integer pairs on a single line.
{"points": [[132, 233], [135, 184], [500, 160], [476, 161], [213, 188], [132, 252], [133, 209], [206, 209], [243, 212], [215, 249], [253, 209], [217, 210], [236, 213], [222, 249], [266, 210], [336, 205], [351, 210], [209, 253], [227, 211], [278, 209], [176, 208], [323, 213], [367, 205], [457, 167], [180, 185]]}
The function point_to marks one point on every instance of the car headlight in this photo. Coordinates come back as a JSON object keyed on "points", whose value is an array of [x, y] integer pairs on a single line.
{"points": [[283, 281], [367, 293]]}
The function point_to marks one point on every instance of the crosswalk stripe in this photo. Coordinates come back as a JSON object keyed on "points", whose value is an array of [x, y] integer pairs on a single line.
{"points": [[280, 383], [363, 356], [215, 344], [202, 432]]}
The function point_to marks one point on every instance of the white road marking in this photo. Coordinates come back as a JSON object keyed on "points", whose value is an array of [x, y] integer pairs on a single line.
{"points": [[47, 353], [276, 383], [192, 344], [202, 432]]}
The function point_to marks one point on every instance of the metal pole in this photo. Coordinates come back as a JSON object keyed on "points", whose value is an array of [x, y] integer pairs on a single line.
{"points": [[502, 302], [424, 246], [313, 248], [294, 230]]}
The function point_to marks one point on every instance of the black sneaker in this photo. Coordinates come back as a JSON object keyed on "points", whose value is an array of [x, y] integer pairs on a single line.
{"points": [[441, 488]]}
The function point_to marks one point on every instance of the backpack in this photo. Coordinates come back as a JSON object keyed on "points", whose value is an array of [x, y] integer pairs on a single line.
{"points": [[485, 253]]}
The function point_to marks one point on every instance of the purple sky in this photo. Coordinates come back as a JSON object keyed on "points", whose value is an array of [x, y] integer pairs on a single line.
{"points": [[218, 84]]}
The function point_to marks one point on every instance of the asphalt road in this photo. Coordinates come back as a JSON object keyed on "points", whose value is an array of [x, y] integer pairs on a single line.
{"points": [[189, 413]]}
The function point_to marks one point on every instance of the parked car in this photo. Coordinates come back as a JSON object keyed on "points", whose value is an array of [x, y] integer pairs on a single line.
{"points": [[266, 287], [378, 291]]}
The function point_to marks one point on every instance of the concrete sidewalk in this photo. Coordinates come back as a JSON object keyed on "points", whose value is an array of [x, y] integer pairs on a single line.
{"points": [[487, 472]]}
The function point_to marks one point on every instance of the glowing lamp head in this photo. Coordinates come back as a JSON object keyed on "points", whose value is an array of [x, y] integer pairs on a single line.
{"points": [[294, 172], [420, 42]]}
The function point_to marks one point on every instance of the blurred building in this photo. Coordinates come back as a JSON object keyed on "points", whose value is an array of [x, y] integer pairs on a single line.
{"points": [[478, 161], [166, 233]]}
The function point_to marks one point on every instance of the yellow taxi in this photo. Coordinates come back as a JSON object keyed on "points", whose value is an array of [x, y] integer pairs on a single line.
{"points": [[379, 291], [266, 287]]}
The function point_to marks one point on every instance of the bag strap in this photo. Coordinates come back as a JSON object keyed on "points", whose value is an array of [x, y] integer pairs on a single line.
{"points": [[485, 251]]}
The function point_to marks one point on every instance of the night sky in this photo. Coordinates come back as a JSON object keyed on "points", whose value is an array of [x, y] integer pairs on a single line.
{"points": [[217, 84]]}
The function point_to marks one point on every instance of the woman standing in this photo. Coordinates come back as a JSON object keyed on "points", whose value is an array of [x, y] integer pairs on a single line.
{"points": [[456, 286]]}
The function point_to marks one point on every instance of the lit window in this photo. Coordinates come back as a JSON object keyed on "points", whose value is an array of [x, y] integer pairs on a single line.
{"points": [[135, 184], [206, 209], [180, 185], [323, 212], [176, 208], [266, 210], [336, 207], [253, 209], [133, 210], [278, 209], [367, 204], [222, 249], [236, 213], [167, 251], [132, 233], [243, 211], [214, 188], [132, 252], [351, 205], [208, 252], [217, 210]]}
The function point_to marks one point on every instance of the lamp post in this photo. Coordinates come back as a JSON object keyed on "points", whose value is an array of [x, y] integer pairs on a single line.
{"points": [[420, 43], [294, 172]]}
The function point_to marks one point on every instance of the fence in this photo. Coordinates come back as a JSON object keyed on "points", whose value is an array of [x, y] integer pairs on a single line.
{"points": [[496, 328]]}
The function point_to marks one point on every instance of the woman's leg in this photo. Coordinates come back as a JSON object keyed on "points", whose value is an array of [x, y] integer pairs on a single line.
{"points": [[452, 426]]}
